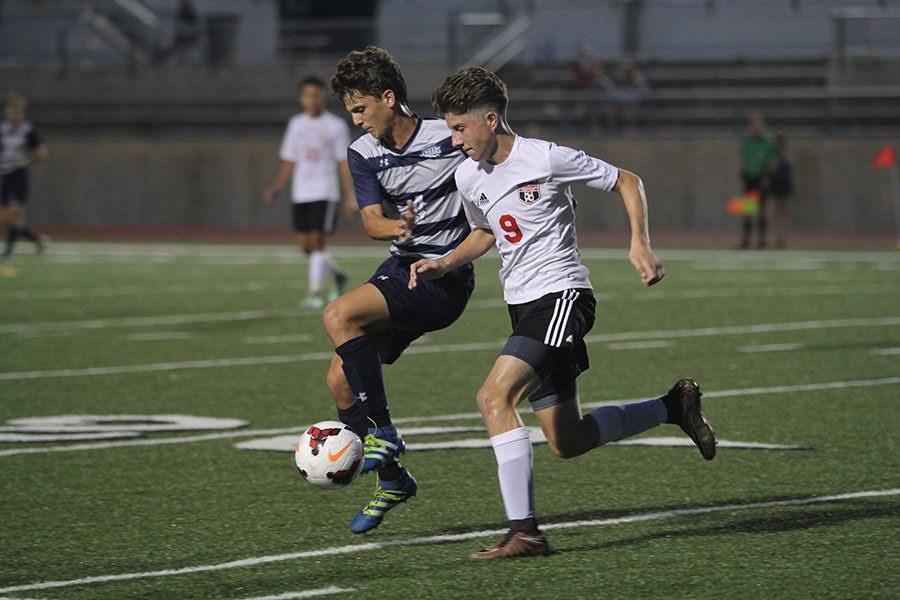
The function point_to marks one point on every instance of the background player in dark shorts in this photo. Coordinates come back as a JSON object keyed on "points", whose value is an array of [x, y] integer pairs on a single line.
{"points": [[313, 160], [21, 147]]}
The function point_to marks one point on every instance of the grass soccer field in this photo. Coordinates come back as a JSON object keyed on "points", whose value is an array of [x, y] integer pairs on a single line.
{"points": [[149, 394]]}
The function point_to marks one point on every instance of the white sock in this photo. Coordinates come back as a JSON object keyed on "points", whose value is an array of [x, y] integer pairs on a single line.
{"points": [[625, 420], [318, 270], [513, 452]]}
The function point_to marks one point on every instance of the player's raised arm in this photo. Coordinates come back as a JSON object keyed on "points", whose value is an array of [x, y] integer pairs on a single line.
{"points": [[475, 245], [631, 188]]}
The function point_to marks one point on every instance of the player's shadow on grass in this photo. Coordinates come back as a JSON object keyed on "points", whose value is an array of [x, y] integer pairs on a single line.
{"points": [[596, 515], [820, 517]]}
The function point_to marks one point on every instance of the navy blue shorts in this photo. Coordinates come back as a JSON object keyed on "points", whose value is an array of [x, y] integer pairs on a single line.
{"points": [[14, 187], [433, 304], [548, 334]]}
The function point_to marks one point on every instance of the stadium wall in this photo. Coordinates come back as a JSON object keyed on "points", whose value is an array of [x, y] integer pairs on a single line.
{"points": [[216, 183]]}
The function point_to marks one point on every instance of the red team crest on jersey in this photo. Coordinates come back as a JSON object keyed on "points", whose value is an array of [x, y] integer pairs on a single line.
{"points": [[530, 193]]}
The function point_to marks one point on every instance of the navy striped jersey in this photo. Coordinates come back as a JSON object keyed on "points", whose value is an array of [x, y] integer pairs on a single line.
{"points": [[421, 171]]}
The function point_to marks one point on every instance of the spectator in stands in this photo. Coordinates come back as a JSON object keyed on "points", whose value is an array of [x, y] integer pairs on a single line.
{"points": [[627, 92], [588, 73], [781, 186], [187, 34], [758, 156], [21, 147]]}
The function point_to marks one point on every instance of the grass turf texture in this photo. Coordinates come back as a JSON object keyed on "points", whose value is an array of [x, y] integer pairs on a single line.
{"points": [[137, 509]]}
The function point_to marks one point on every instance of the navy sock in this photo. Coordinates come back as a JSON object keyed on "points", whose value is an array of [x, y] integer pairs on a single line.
{"points": [[362, 367], [356, 418], [382, 416], [392, 470]]}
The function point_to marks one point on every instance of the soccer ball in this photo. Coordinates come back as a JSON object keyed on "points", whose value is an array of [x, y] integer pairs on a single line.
{"points": [[329, 455]]}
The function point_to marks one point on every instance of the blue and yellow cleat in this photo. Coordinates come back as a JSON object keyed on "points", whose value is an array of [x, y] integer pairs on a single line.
{"points": [[388, 494], [381, 445]]}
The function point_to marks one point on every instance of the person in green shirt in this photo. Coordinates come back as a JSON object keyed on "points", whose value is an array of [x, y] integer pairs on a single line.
{"points": [[758, 155]]}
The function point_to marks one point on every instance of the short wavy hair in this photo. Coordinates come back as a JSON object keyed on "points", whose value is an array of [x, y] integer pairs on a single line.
{"points": [[368, 72], [468, 89]]}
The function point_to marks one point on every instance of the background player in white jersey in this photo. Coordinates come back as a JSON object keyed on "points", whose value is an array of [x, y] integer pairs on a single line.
{"points": [[516, 194], [314, 155], [21, 147], [407, 163]]}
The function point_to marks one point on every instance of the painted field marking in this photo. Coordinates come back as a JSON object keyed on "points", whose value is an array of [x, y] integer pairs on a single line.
{"points": [[649, 344], [159, 336], [287, 443], [444, 348], [734, 393], [769, 348], [141, 290], [244, 315], [277, 339], [442, 539], [306, 594], [375, 251], [886, 351]]}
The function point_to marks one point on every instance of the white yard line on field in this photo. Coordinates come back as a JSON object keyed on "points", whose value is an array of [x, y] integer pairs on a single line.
{"points": [[648, 345], [375, 250], [306, 594], [159, 336], [277, 339], [886, 351], [734, 393], [724, 291], [244, 315], [443, 539], [769, 348], [444, 348], [143, 290]]}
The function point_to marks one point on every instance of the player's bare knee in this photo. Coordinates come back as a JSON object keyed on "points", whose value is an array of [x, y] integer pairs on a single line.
{"points": [[336, 318], [491, 402]]}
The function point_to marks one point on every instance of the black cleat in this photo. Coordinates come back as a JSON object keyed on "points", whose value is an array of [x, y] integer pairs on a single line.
{"points": [[683, 405]]}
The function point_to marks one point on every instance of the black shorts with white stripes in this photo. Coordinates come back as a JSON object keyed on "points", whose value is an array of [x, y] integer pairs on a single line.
{"points": [[315, 216], [548, 334]]}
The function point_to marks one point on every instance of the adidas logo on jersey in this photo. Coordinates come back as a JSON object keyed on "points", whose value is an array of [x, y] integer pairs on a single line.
{"points": [[482, 200]]}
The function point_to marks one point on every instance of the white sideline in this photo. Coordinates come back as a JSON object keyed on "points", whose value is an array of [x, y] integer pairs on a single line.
{"points": [[736, 393], [426, 349], [244, 315], [305, 594], [440, 539]]}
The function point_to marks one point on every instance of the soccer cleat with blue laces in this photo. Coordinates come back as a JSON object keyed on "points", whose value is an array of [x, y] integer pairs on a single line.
{"points": [[381, 445], [388, 494]]}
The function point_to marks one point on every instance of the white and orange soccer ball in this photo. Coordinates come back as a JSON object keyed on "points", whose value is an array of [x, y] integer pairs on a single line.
{"points": [[329, 455]]}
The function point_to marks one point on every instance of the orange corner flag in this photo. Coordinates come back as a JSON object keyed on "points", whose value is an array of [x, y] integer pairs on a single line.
{"points": [[884, 159]]}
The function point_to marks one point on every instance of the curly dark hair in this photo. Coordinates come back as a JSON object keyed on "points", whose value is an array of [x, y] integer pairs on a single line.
{"points": [[470, 88], [368, 72]]}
